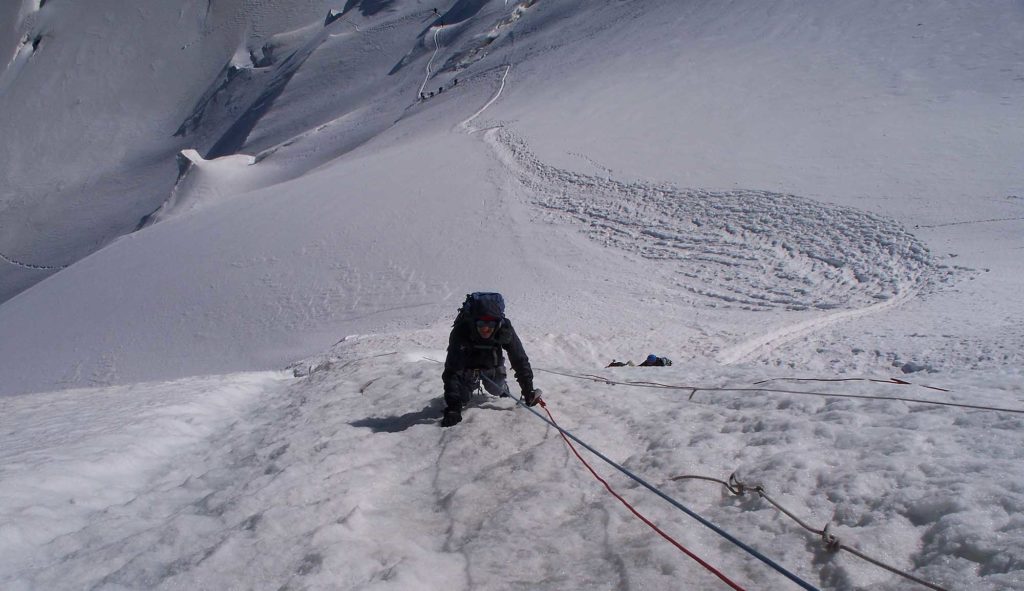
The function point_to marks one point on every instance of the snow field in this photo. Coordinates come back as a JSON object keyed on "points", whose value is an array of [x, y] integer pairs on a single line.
{"points": [[74, 476], [341, 478]]}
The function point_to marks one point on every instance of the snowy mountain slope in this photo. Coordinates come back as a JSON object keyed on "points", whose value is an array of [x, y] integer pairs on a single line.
{"points": [[864, 104], [755, 189], [90, 109], [480, 49], [909, 113]]}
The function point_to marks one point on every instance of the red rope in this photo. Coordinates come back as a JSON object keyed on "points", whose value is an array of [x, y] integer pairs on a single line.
{"points": [[639, 515]]}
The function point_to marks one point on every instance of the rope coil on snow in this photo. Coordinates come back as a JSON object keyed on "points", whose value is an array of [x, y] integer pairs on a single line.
{"points": [[831, 542]]}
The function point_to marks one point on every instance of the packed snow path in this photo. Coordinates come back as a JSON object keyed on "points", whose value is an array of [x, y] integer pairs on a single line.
{"points": [[437, 48], [16, 263]]}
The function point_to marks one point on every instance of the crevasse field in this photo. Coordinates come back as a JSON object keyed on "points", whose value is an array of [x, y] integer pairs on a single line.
{"points": [[234, 234]]}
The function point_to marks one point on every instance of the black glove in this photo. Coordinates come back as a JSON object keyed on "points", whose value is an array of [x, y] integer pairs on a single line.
{"points": [[531, 397]]}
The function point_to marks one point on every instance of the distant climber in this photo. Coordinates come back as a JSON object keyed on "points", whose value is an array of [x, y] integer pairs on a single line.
{"points": [[655, 361], [479, 336]]}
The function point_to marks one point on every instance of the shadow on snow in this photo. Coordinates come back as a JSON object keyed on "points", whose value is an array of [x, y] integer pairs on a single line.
{"points": [[396, 424]]}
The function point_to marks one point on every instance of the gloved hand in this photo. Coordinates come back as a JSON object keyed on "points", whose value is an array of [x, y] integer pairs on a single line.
{"points": [[531, 397]]}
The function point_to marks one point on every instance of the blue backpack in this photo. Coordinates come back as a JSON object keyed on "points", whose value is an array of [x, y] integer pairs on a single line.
{"points": [[481, 303]]}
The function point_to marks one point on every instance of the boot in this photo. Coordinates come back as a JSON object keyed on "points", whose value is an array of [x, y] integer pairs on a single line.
{"points": [[452, 416]]}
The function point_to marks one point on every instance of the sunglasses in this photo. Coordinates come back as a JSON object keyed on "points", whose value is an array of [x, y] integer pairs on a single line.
{"points": [[486, 324]]}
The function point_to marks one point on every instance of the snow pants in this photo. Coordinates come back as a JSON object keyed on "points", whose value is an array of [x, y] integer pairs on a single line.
{"points": [[458, 393]]}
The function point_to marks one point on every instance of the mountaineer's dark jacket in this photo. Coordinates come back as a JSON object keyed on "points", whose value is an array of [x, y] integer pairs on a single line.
{"points": [[468, 350]]}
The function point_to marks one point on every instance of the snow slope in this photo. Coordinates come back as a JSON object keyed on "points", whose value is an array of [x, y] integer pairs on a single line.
{"points": [[755, 189], [92, 98]]}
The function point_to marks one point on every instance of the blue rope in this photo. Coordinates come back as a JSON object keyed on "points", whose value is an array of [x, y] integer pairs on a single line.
{"points": [[750, 550]]}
